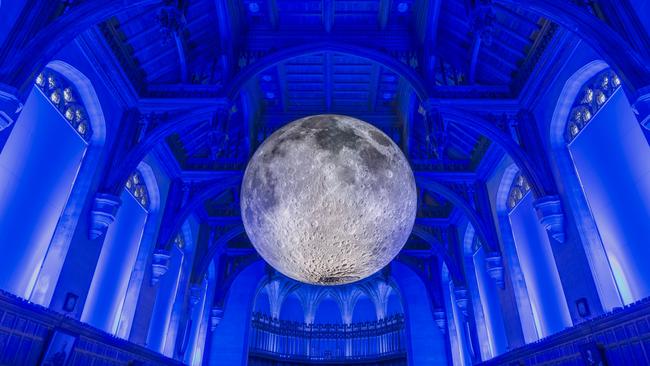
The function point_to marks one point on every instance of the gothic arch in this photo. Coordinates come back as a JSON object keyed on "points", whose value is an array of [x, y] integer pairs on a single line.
{"points": [[589, 235], [43, 289]]}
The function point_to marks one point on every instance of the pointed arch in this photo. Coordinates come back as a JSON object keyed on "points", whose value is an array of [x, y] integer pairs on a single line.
{"points": [[42, 290]]}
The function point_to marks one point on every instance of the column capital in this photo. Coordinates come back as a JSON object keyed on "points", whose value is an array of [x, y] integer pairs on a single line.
{"points": [[440, 318], [216, 314], [551, 216], [196, 291], [159, 265], [462, 298], [10, 106], [641, 107], [494, 268], [102, 214]]}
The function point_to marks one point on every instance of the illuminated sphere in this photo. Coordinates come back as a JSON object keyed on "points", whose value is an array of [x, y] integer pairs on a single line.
{"points": [[328, 200]]}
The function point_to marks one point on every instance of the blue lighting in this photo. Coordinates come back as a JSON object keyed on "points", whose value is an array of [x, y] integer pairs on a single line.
{"points": [[126, 127]]}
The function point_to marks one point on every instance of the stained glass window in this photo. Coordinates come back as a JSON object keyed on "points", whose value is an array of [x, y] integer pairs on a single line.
{"points": [[136, 186], [65, 98], [520, 187], [592, 97]]}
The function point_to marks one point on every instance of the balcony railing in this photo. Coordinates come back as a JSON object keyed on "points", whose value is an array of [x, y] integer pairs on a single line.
{"points": [[621, 337], [282, 339]]}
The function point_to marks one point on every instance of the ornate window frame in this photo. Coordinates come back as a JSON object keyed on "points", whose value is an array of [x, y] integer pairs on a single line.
{"points": [[594, 95], [64, 97]]}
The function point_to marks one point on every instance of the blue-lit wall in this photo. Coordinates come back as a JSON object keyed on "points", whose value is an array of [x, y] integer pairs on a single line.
{"points": [[488, 299], [426, 341], [364, 310], [611, 161], [541, 277], [161, 334], [109, 285], [292, 309], [38, 167], [328, 312]]}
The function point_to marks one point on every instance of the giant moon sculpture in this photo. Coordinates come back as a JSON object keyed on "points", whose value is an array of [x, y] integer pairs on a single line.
{"points": [[328, 200]]}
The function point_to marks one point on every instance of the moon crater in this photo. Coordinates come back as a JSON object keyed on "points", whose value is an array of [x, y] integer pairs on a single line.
{"points": [[328, 200]]}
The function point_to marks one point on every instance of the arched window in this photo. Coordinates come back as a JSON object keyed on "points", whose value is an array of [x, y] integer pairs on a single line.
{"points": [[46, 167], [601, 156], [595, 93], [541, 302], [114, 290]]}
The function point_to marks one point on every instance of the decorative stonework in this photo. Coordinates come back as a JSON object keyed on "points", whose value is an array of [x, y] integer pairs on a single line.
{"points": [[595, 93], [462, 298], [519, 189], [494, 267], [642, 108], [62, 94], [10, 107], [196, 292], [216, 314], [136, 186], [102, 214], [439, 317], [159, 265], [551, 216]]}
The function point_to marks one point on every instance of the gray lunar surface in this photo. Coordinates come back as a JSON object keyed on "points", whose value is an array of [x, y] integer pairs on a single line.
{"points": [[328, 200]]}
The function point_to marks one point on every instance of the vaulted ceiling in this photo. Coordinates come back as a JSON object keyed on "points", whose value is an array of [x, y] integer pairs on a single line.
{"points": [[460, 49]]}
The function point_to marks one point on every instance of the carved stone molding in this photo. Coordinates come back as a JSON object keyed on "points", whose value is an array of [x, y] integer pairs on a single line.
{"points": [[216, 314], [102, 214], [159, 265], [462, 298], [441, 320], [196, 292], [10, 107], [551, 216], [642, 108], [494, 266]]}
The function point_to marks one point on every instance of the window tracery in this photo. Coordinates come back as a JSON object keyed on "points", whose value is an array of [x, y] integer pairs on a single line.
{"points": [[136, 186], [518, 190], [179, 241], [64, 97], [593, 96]]}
